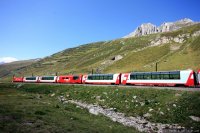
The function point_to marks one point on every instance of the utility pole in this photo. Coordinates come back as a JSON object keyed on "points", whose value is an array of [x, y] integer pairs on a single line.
{"points": [[92, 70], [156, 66]]}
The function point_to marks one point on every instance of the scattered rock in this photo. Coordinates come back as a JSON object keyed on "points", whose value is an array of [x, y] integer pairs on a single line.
{"points": [[177, 95], [105, 93], [147, 115], [134, 97], [28, 123], [142, 103], [174, 105], [98, 97], [52, 94], [62, 99], [65, 102], [162, 113], [150, 110], [102, 100], [195, 118]]}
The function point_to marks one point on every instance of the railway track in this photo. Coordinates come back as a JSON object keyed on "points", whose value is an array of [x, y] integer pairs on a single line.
{"points": [[127, 86]]}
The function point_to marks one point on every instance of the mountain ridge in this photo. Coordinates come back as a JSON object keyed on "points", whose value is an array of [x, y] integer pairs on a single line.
{"points": [[149, 28]]}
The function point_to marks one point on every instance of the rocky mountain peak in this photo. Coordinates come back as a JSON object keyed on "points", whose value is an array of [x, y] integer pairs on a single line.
{"points": [[149, 28], [185, 20], [144, 29]]}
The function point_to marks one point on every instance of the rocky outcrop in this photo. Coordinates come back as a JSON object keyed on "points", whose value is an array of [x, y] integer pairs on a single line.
{"points": [[149, 28], [117, 57], [195, 34], [144, 29], [177, 39]]}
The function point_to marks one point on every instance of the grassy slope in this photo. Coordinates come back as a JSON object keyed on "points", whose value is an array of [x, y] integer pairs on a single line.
{"points": [[84, 58], [14, 67], [34, 104], [25, 110]]}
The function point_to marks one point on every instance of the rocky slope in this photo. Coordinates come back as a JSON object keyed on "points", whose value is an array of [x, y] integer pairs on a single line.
{"points": [[149, 28]]}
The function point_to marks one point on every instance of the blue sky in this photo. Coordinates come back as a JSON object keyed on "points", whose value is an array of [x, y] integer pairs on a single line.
{"points": [[38, 28]]}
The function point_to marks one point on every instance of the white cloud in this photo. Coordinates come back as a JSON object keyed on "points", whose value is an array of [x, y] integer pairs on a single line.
{"points": [[7, 59]]}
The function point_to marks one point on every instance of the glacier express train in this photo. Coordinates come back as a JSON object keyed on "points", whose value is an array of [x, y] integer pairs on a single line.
{"points": [[186, 78]]}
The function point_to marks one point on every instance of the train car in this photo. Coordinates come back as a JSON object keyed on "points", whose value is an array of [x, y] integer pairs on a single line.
{"points": [[33, 79], [70, 79], [163, 78], [47, 79], [102, 79], [17, 79]]}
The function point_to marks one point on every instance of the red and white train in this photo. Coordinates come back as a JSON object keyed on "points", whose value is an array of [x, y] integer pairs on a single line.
{"points": [[187, 78]]}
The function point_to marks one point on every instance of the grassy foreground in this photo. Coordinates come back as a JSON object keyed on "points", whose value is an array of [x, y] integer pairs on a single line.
{"points": [[35, 108], [30, 108]]}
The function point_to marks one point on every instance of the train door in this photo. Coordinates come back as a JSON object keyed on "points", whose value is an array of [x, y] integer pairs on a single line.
{"points": [[80, 79], [198, 77], [84, 78], [118, 81], [124, 78]]}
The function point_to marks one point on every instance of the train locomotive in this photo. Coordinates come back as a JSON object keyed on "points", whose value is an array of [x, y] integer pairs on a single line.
{"points": [[187, 78]]}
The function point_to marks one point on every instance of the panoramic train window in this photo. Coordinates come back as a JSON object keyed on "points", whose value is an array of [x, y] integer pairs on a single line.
{"points": [[155, 75], [174, 75], [89, 77], [147, 75], [31, 78], [100, 77], [47, 78]]}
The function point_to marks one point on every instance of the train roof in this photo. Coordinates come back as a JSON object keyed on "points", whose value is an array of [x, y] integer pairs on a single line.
{"points": [[100, 74], [159, 72]]}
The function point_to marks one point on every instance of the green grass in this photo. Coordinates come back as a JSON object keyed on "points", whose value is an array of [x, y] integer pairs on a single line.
{"points": [[30, 108], [177, 106]]}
